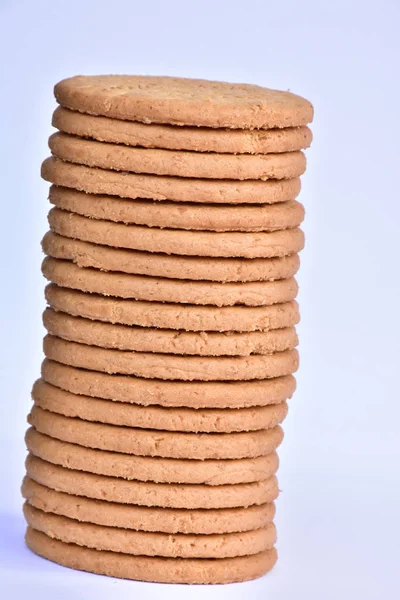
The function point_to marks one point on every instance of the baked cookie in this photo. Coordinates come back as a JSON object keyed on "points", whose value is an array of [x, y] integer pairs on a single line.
{"points": [[180, 215], [145, 493], [140, 339], [172, 316], [197, 420], [145, 468], [147, 392], [174, 241], [142, 518], [176, 163], [149, 365], [139, 287], [158, 187], [145, 543], [181, 101], [198, 139], [149, 568], [86, 254]]}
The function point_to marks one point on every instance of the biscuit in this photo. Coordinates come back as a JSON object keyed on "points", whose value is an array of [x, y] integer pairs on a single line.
{"points": [[145, 493], [147, 568], [147, 392], [85, 254], [174, 241], [209, 420], [142, 518], [149, 365], [172, 316], [198, 139], [181, 101], [150, 442], [141, 339], [145, 543], [141, 287], [158, 187], [176, 163], [182, 215], [140, 468]]}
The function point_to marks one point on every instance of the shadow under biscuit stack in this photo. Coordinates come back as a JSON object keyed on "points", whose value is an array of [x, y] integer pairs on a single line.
{"points": [[171, 259]]}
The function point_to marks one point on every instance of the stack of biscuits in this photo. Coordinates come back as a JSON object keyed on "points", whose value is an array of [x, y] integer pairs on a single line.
{"points": [[172, 248]]}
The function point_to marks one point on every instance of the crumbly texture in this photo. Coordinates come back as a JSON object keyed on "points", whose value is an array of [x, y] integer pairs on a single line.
{"points": [[159, 187], [150, 365], [172, 316], [152, 443], [86, 254], [174, 241], [180, 215], [145, 493], [140, 339], [142, 518], [141, 468], [176, 163], [156, 569], [182, 101], [144, 543], [140, 287], [198, 139], [211, 420], [150, 392]]}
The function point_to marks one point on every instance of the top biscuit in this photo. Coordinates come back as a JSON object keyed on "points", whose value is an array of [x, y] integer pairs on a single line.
{"points": [[179, 101]]}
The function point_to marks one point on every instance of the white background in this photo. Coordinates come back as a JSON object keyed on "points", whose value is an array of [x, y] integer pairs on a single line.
{"points": [[338, 514]]}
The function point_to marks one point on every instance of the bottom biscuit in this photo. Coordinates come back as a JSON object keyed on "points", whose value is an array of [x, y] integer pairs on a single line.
{"points": [[143, 518], [144, 543], [156, 569]]}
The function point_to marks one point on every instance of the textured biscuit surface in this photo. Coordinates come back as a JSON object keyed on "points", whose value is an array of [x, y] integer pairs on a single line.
{"points": [[86, 254], [149, 442], [211, 420], [142, 518], [141, 468], [140, 287], [195, 394], [158, 187], [145, 493], [146, 543], [198, 139], [150, 365], [174, 241], [145, 568], [180, 215], [181, 101], [140, 339], [172, 316], [176, 163]]}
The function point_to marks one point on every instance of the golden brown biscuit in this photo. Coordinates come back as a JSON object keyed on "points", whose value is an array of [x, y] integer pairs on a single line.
{"points": [[198, 139], [158, 187], [180, 215], [141, 339], [148, 568], [172, 316], [146, 493], [181, 101], [140, 287], [86, 254], [201, 394], [176, 163], [196, 420], [144, 468]]}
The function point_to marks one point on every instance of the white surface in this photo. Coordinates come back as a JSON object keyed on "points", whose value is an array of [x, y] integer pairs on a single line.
{"points": [[338, 516]]}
